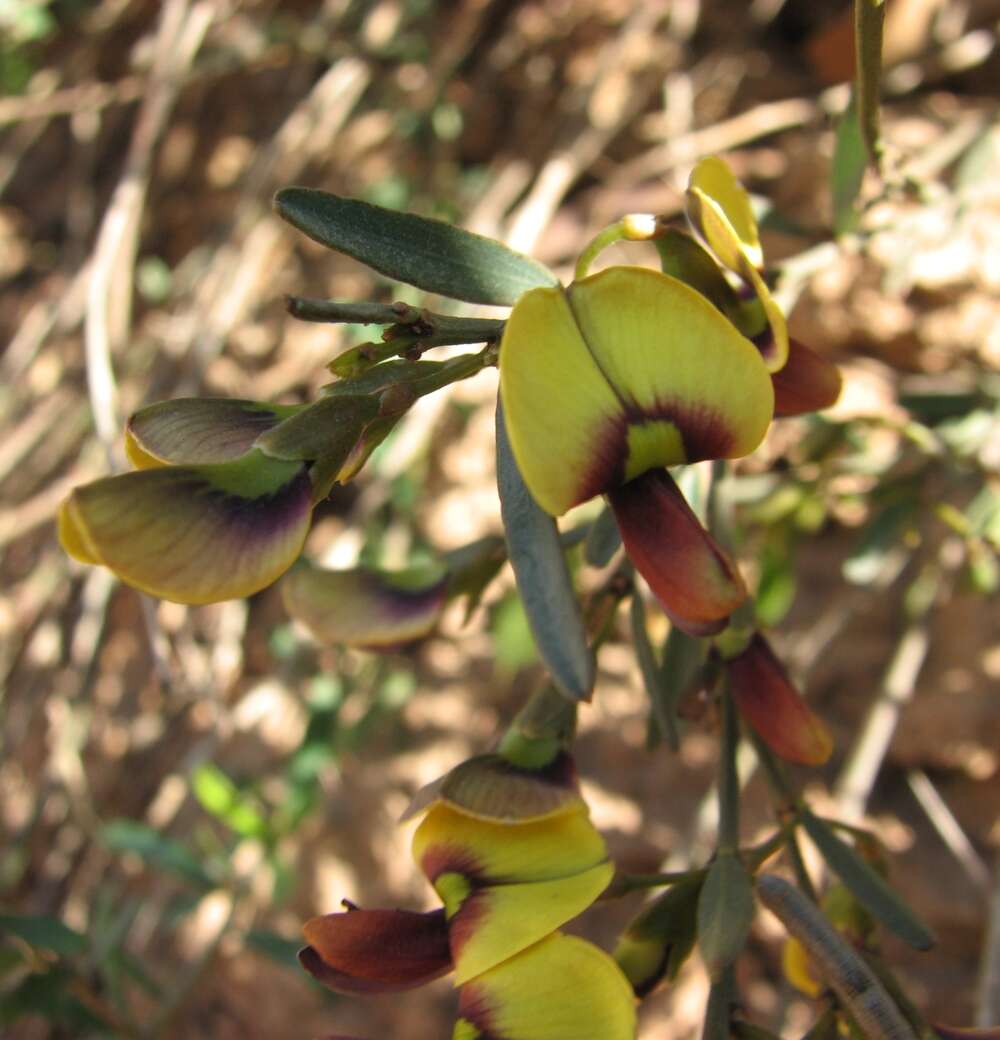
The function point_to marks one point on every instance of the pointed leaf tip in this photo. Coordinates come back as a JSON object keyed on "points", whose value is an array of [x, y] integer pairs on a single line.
{"points": [[429, 254]]}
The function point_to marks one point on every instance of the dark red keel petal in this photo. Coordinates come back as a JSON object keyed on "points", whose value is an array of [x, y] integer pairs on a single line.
{"points": [[806, 383], [692, 576], [376, 951], [770, 704]]}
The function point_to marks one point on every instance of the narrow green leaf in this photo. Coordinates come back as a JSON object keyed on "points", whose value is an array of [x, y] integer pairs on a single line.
{"points": [[279, 949], [652, 675], [866, 885], [848, 169], [157, 850], [603, 539], [725, 912], [683, 655], [223, 799], [44, 931], [869, 16], [537, 556], [429, 254]]}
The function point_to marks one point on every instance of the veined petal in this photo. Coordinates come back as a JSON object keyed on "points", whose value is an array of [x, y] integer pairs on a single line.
{"points": [[562, 988], [565, 423], [194, 431], [493, 789], [693, 387], [771, 705], [720, 210], [806, 382], [497, 921], [488, 853], [365, 608], [691, 575], [193, 534], [376, 951]]}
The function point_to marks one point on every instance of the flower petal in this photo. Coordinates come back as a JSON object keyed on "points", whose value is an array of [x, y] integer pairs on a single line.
{"points": [[564, 421], [365, 608], [562, 988], [691, 575], [771, 705], [491, 788], [198, 430], [193, 534], [720, 210], [693, 387], [498, 921], [806, 382], [376, 951], [764, 324], [487, 853]]}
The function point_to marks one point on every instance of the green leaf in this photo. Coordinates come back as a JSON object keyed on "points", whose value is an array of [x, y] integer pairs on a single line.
{"points": [[682, 657], [725, 912], [848, 169], [426, 253], [537, 556], [155, 849], [44, 931], [279, 949], [866, 885], [603, 539], [223, 799], [869, 16], [652, 676], [882, 544]]}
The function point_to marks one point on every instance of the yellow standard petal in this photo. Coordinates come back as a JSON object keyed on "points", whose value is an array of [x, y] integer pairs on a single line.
{"points": [[193, 534], [565, 422], [720, 209], [692, 386], [562, 988], [451, 842]]}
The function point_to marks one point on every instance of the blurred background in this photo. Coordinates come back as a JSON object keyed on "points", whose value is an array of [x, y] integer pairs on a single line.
{"points": [[180, 788]]}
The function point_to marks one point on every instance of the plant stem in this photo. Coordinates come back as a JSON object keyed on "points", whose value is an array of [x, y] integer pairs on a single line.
{"points": [[729, 787]]}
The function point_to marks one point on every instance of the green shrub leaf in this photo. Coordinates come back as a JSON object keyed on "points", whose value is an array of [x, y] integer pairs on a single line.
{"points": [[538, 558], [866, 885], [725, 912], [429, 254]]}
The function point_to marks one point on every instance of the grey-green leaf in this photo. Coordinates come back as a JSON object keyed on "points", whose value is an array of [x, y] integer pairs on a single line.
{"points": [[848, 170], [868, 887], [725, 912], [429, 254], [536, 553], [156, 849], [603, 539], [44, 931]]}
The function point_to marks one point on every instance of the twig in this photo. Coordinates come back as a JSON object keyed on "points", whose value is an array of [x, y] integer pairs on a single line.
{"points": [[110, 287], [760, 121], [858, 775], [988, 988], [948, 828]]}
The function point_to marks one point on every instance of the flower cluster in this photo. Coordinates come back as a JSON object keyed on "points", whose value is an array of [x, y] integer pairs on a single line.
{"points": [[513, 856], [611, 380]]}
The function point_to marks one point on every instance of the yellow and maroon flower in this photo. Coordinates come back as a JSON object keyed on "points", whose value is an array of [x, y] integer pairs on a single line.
{"points": [[773, 708], [194, 533], [508, 876], [561, 988], [607, 382], [720, 211]]}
